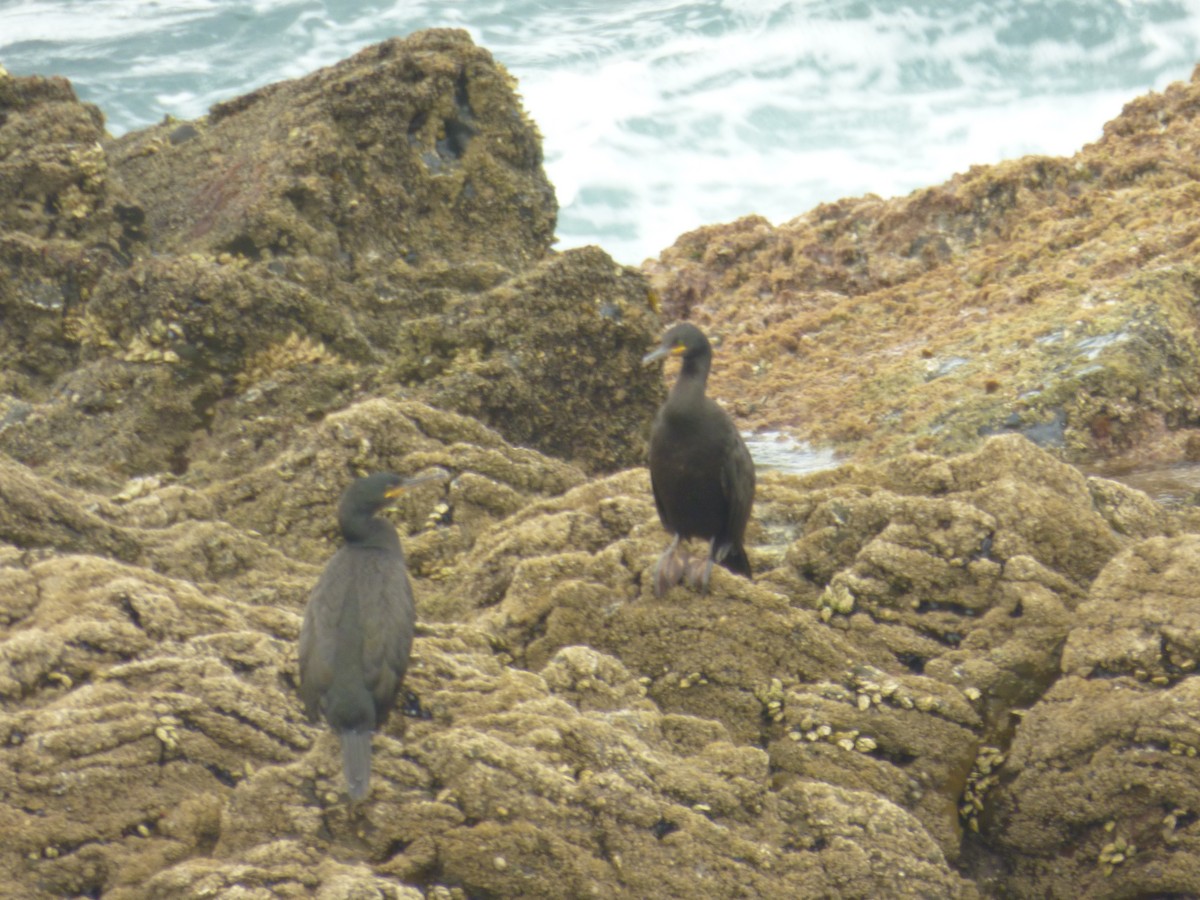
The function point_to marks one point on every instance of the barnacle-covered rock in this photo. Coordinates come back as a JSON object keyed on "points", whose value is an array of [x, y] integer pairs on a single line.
{"points": [[1101, 777], [952, 676]]}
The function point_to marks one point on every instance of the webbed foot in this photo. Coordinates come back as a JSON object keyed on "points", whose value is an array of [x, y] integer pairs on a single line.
{"points": [[670, 568]]}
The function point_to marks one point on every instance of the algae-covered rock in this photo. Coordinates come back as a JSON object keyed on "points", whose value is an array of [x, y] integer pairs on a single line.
{"points": [[952, 676], [35, 513], [153, 744], [905, 614], [860, 720], [414, 149], [64, 221], [289, 497], [1099, 794], [382, 225], [563, 372], [53, 171], [1045, 296]]}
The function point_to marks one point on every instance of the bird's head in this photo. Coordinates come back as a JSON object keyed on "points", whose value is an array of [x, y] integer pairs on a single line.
{"points": [[366, 496], [684, 340]]}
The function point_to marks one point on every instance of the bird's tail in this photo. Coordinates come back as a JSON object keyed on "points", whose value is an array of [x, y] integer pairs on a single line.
{"points": [[736, 561], [356, 761]]}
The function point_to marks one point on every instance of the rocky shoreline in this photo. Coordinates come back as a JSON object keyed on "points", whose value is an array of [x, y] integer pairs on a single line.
{"points": [[1052, 297], [963, 669]]}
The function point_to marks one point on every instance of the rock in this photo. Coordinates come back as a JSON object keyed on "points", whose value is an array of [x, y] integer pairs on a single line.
{"points": [[876, 649], [1097, 793], [175, 722], [415, 149], [385, 224], [910, 692], [35, 513], [53, 168], [953, 675], [1139, 619], [169, 706], [64, 221], [842, 725], [1051, 297], [565, 373], [486, 479]]}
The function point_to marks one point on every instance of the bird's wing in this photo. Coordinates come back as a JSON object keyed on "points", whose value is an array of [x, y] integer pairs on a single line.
{"points": [[388, 619], [654, 485], [658, 501], [737, 483], [318, 635]]}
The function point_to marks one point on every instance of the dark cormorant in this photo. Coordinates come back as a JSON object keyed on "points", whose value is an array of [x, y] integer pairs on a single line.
{"points": [[358, 626], [700, 469]]}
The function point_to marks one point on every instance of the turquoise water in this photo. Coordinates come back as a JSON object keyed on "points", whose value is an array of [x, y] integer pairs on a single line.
{"points": [[659, 116]]}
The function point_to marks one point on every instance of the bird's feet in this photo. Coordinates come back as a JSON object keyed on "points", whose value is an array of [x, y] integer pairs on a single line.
{"points": [[670, 568], [697, 572]]}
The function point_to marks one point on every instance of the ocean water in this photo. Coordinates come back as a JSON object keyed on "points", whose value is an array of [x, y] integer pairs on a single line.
{"points": [[777, 451], [660, 116]]}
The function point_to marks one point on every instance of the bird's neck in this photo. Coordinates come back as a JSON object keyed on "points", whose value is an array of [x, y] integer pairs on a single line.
{"points": [[688, 389], [369, 531]]}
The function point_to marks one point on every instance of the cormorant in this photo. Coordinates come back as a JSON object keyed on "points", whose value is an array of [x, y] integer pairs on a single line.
{"points": [[358, 626], [700, 469]]}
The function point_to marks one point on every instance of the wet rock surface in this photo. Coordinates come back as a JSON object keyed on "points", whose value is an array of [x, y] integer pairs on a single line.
{"points": [[954, 675]]}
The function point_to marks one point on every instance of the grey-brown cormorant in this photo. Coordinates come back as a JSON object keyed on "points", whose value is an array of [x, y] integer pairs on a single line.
{"points": [[700, 469], [358, 626]]}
